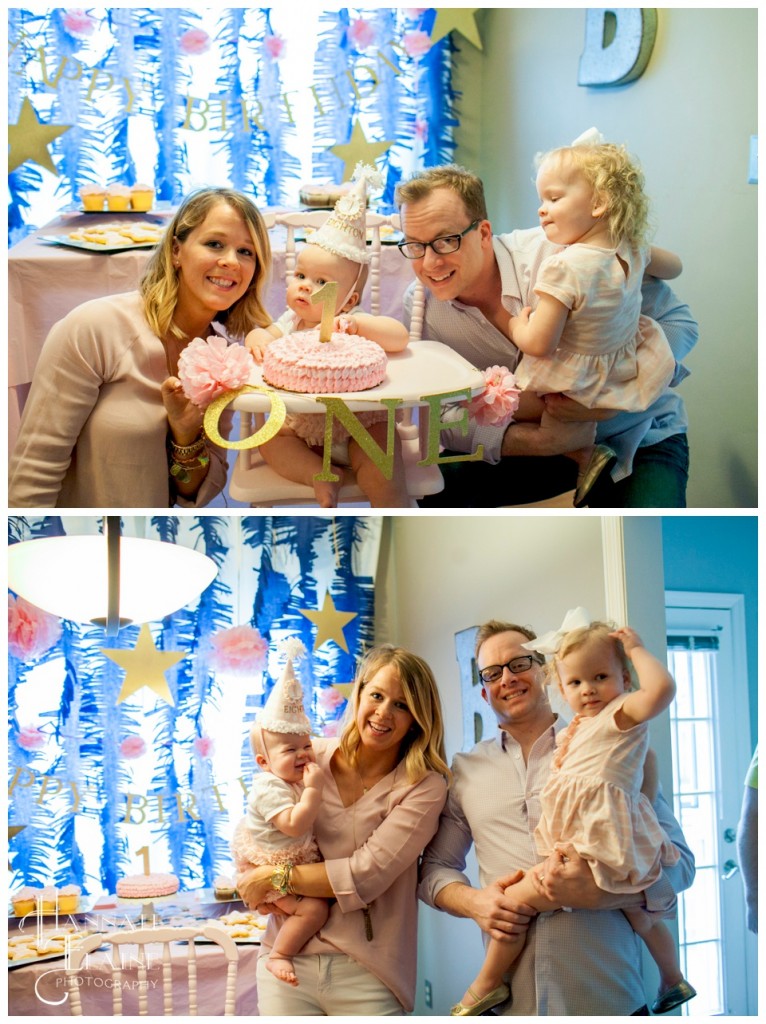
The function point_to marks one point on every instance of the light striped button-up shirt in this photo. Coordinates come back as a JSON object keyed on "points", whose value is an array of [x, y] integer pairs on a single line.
{"points": [[466, 330], [573, 963]]}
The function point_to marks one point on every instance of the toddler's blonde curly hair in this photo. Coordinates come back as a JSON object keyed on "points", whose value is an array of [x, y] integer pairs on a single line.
{"points": [[616, 179], [596, 632]]}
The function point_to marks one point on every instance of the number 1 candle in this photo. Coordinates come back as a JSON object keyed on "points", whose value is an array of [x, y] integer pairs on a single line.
{"points": [[328, 296], [145, 851]]}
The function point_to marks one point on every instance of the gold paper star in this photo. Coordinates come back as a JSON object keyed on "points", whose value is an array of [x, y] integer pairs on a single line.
{"points": [[329, 622], [359, 149], [456, 19], [144, 666], [28, 139]]}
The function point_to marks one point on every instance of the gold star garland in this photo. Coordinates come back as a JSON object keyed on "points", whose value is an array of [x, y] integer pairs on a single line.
{"points": [[28, 139], [456, 19], [144, 666], [329, 622], [359, 149]]}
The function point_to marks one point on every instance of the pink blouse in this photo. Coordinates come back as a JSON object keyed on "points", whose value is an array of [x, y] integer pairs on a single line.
{"points": [[371, 851]]}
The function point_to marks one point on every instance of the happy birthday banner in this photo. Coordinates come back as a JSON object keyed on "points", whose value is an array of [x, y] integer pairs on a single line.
{"points": [[213, 112], [48, 791], [79, 85]]}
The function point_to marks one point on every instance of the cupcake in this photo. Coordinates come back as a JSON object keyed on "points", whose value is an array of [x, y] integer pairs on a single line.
{"points": [[92, 197], [69, 899], [24, 901], [118, 197], [224, 888], [142, 198]]}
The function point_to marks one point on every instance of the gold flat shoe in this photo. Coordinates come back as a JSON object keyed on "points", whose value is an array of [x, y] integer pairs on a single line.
{"points": [[603, 458], [494, 998], [673, 997]]}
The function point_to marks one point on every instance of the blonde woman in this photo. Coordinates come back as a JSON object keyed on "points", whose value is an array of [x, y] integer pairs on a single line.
{"points": [[106, 423], [385, 785]]}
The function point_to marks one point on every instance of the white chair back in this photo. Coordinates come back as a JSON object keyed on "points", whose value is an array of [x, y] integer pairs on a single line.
{"points": [[419, 295], [310, 221], [142, 938]]}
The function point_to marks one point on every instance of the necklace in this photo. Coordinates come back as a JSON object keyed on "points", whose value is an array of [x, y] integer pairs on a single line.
{"points": [[376, 779]]}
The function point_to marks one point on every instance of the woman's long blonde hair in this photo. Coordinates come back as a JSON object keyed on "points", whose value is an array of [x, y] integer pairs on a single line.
{"points": [[159, 284], [422, 749]]}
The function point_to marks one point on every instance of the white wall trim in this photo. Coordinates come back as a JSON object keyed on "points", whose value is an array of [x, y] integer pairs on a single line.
{"points": [[615, 586]]}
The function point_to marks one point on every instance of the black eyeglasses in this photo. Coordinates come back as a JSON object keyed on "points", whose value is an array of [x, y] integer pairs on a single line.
{"points": [[442, 245], [492, 673]]}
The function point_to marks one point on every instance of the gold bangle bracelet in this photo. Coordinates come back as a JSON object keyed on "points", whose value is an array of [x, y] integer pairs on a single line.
{"points": [[280, 879]]}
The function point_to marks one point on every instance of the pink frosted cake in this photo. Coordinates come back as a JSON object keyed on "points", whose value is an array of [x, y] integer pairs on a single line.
{"points": [[139, 887], [301, 362]]}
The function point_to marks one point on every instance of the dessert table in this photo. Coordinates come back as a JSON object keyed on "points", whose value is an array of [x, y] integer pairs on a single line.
{"points": [[46, 281], [40, 988]]}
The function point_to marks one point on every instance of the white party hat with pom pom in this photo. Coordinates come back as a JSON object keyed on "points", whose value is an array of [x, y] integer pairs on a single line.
{"points": [[283, 711], [344, 233]]}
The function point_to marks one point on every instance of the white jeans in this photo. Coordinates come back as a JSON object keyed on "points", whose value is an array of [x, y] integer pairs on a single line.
{"points": [[329, 986]]}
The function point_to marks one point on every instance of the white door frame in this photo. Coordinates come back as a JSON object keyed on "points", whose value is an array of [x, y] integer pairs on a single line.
{"points": [[730, 609]]}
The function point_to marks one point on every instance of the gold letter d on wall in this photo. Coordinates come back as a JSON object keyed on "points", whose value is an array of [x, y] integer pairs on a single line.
{"points": [[618, 44]]}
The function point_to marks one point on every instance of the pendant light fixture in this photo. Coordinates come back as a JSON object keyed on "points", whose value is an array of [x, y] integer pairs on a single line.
{"points": [[109, 580]]}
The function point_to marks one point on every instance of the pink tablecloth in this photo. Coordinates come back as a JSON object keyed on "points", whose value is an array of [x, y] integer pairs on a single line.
{"points": [[47, 281]]}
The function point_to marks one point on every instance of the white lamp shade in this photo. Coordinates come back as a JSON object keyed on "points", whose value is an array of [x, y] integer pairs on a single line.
{"points": [[67, 576]]}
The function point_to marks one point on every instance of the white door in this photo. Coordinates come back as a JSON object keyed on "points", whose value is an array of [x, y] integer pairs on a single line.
{"points": [[710, 731]]}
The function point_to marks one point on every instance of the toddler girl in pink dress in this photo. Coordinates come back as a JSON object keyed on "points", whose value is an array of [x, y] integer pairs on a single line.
{"points": [[587, 338], [598, 795]]}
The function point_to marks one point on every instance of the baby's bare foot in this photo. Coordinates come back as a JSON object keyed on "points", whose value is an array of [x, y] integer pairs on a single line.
{"points": [[282, 967], [327, 492]]}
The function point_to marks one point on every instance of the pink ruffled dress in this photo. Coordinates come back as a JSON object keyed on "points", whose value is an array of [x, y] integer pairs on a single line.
{"points": [[593, 800], [257, 842]]}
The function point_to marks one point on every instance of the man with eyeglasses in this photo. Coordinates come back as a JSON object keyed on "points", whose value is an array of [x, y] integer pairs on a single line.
{"points": [[474, 282], [585, 961]]}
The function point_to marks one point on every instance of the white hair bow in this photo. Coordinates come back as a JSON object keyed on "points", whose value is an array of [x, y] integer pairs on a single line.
{"points": [[549, 643], [592, 137]]}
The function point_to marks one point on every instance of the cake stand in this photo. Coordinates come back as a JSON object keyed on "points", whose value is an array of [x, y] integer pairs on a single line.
{"points": [[147, 905]]}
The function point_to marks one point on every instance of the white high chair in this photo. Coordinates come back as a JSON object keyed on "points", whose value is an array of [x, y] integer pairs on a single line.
{"points": [[128, 963], [255, 482]]}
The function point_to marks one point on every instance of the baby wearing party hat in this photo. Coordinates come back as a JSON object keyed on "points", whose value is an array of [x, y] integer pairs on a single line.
{"points": [[282, 806], [337, 252]]}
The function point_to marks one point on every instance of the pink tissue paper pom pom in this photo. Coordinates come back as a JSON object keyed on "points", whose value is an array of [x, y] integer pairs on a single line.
{"points": [[194, 42], [31, 738], [78, 22], [361, 33], [209, 368], [329, 699], [31, 631], [241, 650], [331, 729], [132, 747], [498, 401], [275, 45], [414, 12], [204, 746], [416, 42]]}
